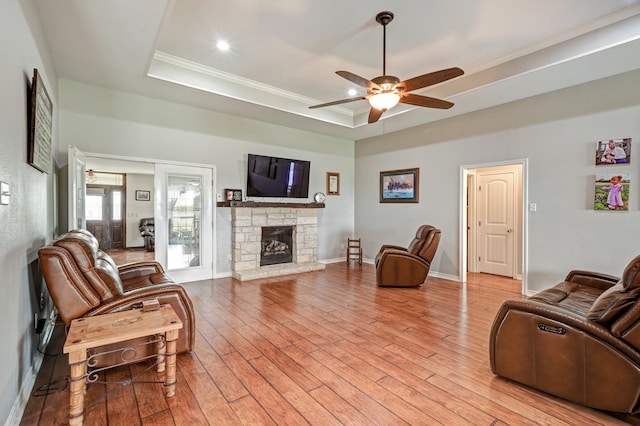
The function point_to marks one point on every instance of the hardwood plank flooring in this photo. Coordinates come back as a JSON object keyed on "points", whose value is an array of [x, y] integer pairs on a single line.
{"points": [[323, 348]]}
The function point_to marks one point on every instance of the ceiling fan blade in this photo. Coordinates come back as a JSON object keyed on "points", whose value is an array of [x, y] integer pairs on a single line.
{"points": [[343, 101], [375, 114], [360, 81], [429, 79], [425, 101]]}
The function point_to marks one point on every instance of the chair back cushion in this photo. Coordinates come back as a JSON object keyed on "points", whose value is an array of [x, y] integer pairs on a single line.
{"points": [[418, 241], [78, 274], [631, 275], [616, 300], [431, 241]]}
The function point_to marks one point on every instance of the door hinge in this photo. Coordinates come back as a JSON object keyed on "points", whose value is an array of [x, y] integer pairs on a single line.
{"points": [[479, 188], [479, 259], [479, 223]]}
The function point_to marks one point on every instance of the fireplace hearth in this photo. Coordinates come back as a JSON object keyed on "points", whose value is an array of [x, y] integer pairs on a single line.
{"points": [[276, 245]]}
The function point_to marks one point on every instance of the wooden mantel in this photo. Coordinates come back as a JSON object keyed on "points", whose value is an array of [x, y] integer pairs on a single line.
{"points": [[256, 204]]}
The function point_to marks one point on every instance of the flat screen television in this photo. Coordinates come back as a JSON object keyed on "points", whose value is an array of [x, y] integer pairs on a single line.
{"points": [[277, 177]]}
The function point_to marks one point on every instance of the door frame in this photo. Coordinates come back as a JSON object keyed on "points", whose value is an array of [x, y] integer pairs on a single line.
{"points": [[162, 171], [76, 156], [464, 173]]}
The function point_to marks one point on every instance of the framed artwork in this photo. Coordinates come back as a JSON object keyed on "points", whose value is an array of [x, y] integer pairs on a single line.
{"points": [[399, 186], [333, 183], [143, 195], [233, 194], [612, 192], [613, 151], [40, 125]]}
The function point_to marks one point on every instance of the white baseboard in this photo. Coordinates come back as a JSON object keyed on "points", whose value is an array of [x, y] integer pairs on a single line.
{"points": [[17, 410], [447, 277]]}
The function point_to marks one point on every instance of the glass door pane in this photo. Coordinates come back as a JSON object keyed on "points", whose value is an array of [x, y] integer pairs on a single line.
{"points": [[183, 213]]}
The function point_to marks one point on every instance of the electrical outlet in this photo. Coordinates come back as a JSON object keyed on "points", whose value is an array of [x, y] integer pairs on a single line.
{"points": [[40, 325], [41, 301]]}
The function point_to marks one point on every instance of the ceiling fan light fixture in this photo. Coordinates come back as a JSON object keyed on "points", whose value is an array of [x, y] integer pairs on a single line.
{"points": [[384, 101]]}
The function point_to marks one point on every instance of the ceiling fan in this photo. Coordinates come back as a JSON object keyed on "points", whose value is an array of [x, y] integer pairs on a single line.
{"points": [[384, 92]]}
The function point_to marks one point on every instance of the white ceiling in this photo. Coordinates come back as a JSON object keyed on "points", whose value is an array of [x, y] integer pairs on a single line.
{"points": [[284, 53]]}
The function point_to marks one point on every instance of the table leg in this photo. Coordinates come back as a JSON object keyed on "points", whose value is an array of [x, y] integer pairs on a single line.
{"points": [[162, 350], [77, 386], [170, 358]]}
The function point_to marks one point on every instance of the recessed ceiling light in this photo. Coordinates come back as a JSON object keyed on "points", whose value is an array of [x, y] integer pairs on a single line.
{"points": [[352, 92], [223, 45]]}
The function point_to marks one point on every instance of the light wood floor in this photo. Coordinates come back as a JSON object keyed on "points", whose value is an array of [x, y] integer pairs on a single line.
{"points": [[323, 348]]}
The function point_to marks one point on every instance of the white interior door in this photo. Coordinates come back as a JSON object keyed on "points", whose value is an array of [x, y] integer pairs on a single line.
{"points": [[496, 212], [184, 221], [77, 187]]}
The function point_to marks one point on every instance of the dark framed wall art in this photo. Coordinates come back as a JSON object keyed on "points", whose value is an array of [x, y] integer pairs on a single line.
{"points": [[400, 186], [143, 195], [40, 125]]}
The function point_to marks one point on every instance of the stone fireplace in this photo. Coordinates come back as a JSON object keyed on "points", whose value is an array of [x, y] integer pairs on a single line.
{"points": [[249, 244]]}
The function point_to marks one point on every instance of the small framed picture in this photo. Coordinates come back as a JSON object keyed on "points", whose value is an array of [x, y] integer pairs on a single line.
{"points": [[613, 151], [612, 192], [399, 186], [143, 195], [333, 183]]}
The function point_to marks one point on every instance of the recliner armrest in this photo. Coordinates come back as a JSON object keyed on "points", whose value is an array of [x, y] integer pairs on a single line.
{"points": [[556, 314], [592, 279], [139, 269], [391, 247]]}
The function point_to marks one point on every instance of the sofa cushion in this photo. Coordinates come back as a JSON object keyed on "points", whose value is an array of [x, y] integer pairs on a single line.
{"points": [[612, 303], [631, 275]]}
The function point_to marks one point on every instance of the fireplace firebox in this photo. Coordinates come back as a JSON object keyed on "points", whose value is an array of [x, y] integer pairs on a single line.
{"points": [[276, 245]]}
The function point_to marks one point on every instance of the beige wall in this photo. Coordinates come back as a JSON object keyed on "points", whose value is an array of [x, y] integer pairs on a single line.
{"points": [[556, 135], [27, 222]]}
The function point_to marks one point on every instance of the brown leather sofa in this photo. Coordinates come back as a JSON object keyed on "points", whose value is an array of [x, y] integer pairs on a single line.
{"points": [[398, 266], [84, 281], [579, 340]]}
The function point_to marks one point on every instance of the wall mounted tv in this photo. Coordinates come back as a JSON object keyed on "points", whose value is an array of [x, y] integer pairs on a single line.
{"points": [[277, 177]]}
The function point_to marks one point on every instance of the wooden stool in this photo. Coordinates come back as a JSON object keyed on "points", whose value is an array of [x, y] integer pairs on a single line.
{"points": [[354, 250]]}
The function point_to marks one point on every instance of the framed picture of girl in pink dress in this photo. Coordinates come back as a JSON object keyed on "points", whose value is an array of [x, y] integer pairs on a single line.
{"points": [[612, 192]]}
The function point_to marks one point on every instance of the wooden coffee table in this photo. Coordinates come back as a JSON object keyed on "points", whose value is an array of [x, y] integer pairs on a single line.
{"points": [[93, 332]]}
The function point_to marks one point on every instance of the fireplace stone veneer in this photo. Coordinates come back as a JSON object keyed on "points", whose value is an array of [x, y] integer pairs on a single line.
{"points": [[246, 235]]}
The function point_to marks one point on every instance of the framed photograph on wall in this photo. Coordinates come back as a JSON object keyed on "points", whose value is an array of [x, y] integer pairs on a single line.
{"points": [[333, 183], [612, 192], [143, 195], [400, 186], [613, 151], [40, 125]]}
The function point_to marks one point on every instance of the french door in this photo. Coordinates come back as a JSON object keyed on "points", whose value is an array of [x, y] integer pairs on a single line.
{"points": [[184, 221], [105, 210]]}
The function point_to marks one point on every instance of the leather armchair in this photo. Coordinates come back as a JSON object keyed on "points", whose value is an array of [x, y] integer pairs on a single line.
{"points": [[85, 281], [398, 266], [147, 231], [578, 340]]}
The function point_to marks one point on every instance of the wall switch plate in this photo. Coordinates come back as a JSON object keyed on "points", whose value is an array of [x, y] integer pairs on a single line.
{"points": [[219, 197], [4, 193], [533, 207]]}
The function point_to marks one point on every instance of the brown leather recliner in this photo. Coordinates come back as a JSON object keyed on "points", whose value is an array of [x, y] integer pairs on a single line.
{"points": [[579, 340], [407, 267], [84, 281]]}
